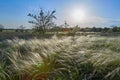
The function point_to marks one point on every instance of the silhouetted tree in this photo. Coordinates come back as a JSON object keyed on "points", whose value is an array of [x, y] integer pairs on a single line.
{"points": [[106, 29], [87, 29], [116, 29], [94, 29], [82, 30], [99, 29], [43, 21]]}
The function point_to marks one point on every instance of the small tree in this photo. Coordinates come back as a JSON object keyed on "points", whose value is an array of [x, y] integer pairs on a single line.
{"points": [[43, 21], [66, 29]]}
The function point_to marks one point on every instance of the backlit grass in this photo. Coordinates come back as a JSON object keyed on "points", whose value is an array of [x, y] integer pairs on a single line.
{"points": [[66, 58]]}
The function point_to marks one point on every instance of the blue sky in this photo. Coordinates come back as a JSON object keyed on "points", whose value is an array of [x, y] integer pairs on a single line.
{"points": [[13, 13]]}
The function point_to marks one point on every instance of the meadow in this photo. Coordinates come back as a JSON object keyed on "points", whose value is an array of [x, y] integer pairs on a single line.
{"points": [[90, 57], [59, 40]]}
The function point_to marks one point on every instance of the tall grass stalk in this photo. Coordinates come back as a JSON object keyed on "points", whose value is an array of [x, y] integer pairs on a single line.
{"points": [[66, 58]]}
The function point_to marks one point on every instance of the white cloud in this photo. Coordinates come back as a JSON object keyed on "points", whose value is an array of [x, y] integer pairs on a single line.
{"points": [[90, 21]]}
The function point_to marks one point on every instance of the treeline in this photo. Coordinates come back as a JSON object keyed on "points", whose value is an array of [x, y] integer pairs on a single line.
{"points": [[105, 29], [15, 30], [87, 29], [61, 29]]}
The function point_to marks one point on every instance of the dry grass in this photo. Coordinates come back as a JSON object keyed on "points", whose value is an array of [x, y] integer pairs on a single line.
{"points": [[66, 58]]}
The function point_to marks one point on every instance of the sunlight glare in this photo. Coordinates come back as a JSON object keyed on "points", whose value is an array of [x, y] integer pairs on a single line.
{"points": [[78, 15]]}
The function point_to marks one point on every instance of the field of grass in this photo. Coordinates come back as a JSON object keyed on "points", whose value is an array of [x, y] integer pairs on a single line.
{"points": [[65, 58]]}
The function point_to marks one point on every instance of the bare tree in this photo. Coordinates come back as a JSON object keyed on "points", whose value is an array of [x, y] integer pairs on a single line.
{"points": [[43, 21]]}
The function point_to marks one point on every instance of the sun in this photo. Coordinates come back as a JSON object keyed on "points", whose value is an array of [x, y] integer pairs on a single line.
{"points": [[78, 15]]}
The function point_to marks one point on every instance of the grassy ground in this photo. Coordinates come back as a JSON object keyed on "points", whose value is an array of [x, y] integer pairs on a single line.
{"points": [[65, 58], [28, 34]]}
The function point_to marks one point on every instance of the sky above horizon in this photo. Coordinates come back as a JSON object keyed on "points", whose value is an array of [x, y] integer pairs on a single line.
{"points": [[85, 13]]}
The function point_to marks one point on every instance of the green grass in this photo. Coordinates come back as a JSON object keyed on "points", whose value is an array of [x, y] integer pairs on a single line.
{"points": [[65, 58]]}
